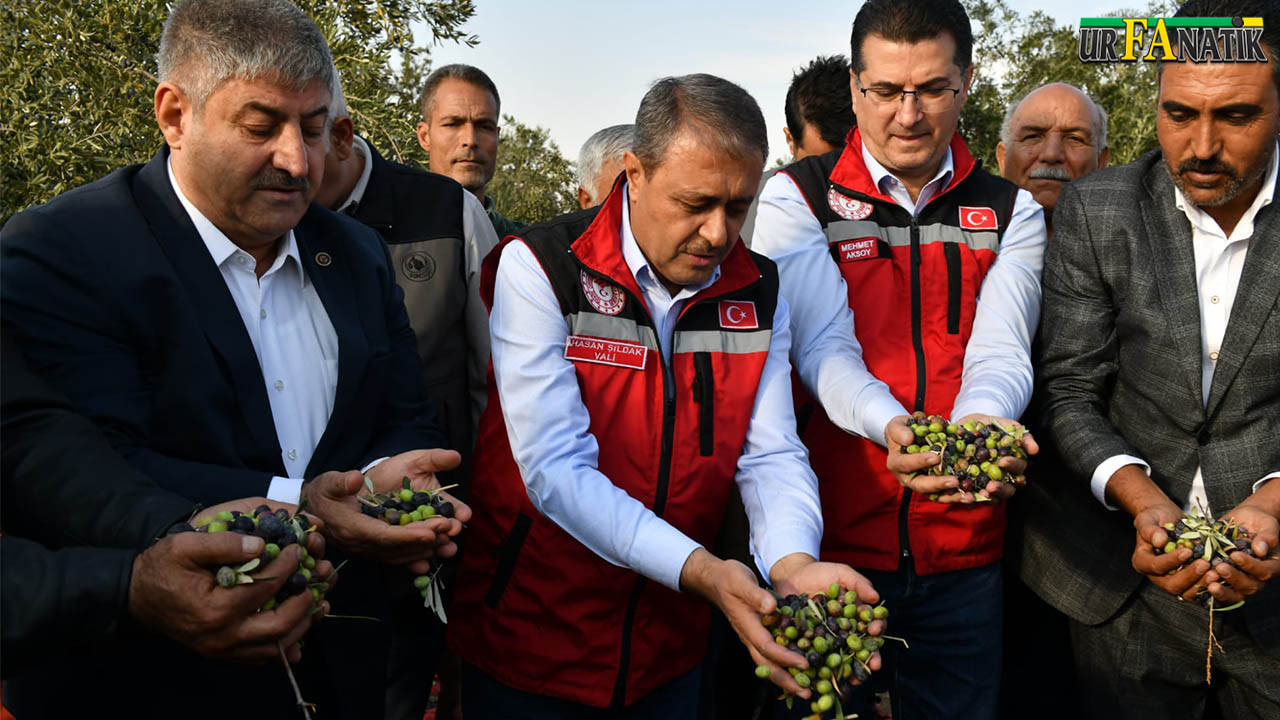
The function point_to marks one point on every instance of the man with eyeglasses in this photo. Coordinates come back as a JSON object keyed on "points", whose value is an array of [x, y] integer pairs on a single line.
{"points": [[914, 278]]}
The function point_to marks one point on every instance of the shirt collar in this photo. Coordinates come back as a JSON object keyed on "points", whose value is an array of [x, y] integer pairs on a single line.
{"points": [[879, 173], [220, 247], [639, 265], [359, 147], [1202, 221]]}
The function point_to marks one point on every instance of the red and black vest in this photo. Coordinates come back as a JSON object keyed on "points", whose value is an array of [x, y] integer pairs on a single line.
{"points": [[536, 609], [913, 286]]}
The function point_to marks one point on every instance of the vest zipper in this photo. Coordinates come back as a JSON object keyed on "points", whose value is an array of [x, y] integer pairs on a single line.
{"points": [[659, 506], [917, 344]]}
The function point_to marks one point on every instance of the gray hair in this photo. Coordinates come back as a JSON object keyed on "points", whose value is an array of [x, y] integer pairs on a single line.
{"points": [[1099, 117], [605, 144], [208, 42], [717, 109], [466, 73], [337, 100]]}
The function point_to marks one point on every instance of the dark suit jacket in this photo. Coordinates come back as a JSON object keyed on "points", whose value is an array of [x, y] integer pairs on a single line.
{"points": [[63, 487], [1120, 367], [117, 302]]}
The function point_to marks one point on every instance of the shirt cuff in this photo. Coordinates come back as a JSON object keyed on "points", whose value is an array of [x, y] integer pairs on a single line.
{"points": [[880, 409], [1106, 469], [989, 406], [664, 555], [787, 540], [1258, 485], [285, 490], [365, 470]]}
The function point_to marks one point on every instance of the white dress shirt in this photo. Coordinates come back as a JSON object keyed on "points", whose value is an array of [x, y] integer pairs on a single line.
{"points": [[548, 426], [292, 336], [997, 377], [478, 238], [1219, 262]]}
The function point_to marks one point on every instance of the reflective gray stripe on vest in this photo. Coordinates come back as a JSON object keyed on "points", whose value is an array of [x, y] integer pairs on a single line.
{"points": [[901, 236], [734, 343], [612, 328]]}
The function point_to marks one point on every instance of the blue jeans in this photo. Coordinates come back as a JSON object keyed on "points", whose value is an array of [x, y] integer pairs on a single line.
{"points": [[484, 698], [954, 623]]}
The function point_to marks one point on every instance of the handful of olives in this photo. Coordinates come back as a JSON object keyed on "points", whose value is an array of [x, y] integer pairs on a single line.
{"points": [[407, 506], [1209, 540], [831, 632], [971, 452], [279, 530]]}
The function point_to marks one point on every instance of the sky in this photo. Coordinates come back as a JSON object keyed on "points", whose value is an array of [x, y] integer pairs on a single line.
{"points": [[576, 66]]}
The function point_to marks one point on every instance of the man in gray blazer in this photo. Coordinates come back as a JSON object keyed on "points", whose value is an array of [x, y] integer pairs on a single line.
{"points": [[1160, 368]]}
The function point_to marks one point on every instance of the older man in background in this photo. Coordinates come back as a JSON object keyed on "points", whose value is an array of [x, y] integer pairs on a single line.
{"points": [[600, 163], [1051, 136]]}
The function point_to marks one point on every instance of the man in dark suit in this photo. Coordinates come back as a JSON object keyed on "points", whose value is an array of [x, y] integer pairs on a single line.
{"points": [[1160, 362], [98, 574], [437, 234], [231, 338]]}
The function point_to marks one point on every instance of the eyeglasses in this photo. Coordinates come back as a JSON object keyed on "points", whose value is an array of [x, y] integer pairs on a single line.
{"points": [[929, 100]]}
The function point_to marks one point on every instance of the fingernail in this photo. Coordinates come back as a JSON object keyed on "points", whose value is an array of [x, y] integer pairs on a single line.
{"points": [[251, 544]]}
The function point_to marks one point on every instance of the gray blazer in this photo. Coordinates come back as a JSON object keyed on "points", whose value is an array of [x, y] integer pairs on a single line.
{"points": [[1120, 373]]}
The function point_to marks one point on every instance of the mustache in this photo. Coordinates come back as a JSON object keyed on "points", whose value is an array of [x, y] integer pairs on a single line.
{"points": [[1050, 172], [1207, 165], [277, 179]]}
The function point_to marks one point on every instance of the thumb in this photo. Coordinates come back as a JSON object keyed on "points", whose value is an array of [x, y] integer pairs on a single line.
{"points": [[437, 460], [898, 432], [215, 549], [336, 484]]}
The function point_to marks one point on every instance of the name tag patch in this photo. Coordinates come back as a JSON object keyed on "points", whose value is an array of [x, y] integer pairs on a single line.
{"points": [[859, 249], [606, 352], [738, 315]]}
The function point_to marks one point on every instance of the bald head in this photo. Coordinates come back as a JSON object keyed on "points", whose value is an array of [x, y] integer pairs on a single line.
{"points": [[1052, 135]]}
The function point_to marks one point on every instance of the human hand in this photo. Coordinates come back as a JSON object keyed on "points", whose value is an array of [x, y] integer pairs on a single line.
{"points": [[1229, 585], [1149, 524], [332, 497], [910, 469], [732, 587], [1010, 465], [173, 590], [800, 574]]}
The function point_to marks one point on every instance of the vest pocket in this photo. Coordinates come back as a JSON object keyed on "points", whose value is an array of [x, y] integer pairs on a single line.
{"points": [[704, 393], [954, 269], [508, 551]]}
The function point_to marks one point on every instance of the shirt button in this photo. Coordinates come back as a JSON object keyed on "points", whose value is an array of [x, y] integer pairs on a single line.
{"points": [[279, 385], [262, 313], [1214, 299], [1213, 355], [293, 454], [242, 260]]}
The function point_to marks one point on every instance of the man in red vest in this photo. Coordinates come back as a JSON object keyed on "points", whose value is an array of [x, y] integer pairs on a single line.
{"points": [[640, 370], [914, 283]]}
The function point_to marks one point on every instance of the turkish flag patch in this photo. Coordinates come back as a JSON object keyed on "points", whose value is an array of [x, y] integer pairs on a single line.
{"points": [[738, 315], [977, 218]]}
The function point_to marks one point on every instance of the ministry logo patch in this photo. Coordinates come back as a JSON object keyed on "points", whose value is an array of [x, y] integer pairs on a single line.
{"points": [[604, 297]]}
